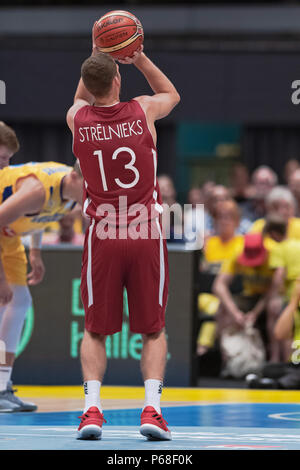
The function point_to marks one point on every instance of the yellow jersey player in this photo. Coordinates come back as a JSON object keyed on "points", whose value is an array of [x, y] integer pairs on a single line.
{"points": [[31, 197]]}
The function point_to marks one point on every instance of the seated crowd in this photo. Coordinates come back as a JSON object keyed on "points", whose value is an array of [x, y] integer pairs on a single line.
{"points": [[250, 235]]}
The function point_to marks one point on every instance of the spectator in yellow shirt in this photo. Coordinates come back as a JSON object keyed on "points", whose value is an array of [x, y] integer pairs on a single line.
{"points": [[252, 265], [217, 248], [280, 200], [284, 375]]}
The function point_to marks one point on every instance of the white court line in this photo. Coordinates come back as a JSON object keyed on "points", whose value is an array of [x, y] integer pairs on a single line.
{"points": [[197, 436], [285, 416]]}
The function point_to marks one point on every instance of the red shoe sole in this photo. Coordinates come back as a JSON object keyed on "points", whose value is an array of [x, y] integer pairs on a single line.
{"points": [[90, 431], [155, 433]]}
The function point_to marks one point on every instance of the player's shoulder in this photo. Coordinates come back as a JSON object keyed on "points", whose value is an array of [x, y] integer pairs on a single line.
{"points": [[74, 111], [54, 166], [144, 101], [13, 172]]}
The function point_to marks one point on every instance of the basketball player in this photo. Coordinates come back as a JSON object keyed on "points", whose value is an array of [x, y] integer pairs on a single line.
{"points": [[31, 196], [115, 143]]}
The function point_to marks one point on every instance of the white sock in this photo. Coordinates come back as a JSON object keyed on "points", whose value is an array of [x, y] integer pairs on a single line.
{"points": [[5, 374], [153, 390], [92, 394]]}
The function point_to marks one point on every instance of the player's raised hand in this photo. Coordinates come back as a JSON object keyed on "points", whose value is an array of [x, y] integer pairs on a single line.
{"points": [[131, 60]]}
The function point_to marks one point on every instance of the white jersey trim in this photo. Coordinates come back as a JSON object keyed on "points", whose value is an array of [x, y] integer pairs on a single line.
{"points": [[89, 278], [161, 265]]}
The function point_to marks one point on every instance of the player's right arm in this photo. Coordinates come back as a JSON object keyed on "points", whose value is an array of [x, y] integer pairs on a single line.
{"points": [[28, 198], [165, 97]]}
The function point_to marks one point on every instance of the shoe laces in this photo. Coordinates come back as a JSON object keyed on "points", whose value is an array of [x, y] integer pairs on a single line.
{"points": [[86, 415], [159, 417]]}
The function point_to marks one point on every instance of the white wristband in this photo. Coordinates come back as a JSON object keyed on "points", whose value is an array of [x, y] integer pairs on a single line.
{"points": [[36, 240]]}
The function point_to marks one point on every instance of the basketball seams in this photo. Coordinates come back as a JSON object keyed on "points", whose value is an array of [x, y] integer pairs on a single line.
{"points": [[116, 27], [118, 13], [121, 45]]}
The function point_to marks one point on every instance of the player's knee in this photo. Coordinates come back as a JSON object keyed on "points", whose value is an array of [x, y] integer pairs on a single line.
{"points": [[155, 335], [90, 335]]}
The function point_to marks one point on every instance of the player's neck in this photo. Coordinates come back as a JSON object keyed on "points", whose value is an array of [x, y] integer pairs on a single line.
{"points": [[108, 100]]}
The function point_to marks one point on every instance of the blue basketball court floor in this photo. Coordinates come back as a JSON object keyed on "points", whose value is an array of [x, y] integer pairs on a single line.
{"points": [[199, 419]]}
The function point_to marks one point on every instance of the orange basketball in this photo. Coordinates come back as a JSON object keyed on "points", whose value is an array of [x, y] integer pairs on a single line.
{"points": [[118, 33]]}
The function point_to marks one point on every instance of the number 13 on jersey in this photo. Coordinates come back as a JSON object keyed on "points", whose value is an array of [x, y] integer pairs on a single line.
{"points": [[129, 166]]}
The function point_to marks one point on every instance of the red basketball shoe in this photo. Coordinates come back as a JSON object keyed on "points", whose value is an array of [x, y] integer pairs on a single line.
{"points": [[153, 425], [91, 424]]}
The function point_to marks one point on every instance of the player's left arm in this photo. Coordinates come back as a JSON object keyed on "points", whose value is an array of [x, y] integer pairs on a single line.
{"points": [[79, 102], [29, 198], [82, 98]]}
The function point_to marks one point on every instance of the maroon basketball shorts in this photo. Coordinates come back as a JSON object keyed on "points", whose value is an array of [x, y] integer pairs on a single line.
{"points": [[110, 265]]}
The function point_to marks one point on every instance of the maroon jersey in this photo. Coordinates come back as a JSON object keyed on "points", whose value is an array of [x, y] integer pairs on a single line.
{"points": [[118, 160]]}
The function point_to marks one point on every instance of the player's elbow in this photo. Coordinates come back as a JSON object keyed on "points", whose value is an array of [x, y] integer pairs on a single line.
{"points": [[176, 98], [69, 119]]}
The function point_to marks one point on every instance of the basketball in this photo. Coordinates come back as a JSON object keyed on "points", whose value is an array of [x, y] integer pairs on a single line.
{"points": [[118, 33]]}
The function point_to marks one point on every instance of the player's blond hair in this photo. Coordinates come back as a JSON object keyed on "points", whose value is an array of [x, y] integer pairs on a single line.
{"points": [[8, 137]]}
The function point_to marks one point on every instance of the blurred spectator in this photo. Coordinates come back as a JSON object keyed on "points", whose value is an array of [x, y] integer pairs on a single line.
{"points": [[294, 186], [281, 201], [289, 168], [221, 193], [226, 242], [66, 232], [172, 217], [284, 375], [217, 248], [206, 189], [167, 189], [248, 308], [285, 260], [241, 189], [216, 194], [264, 180], [194, 219], [275, 236]]}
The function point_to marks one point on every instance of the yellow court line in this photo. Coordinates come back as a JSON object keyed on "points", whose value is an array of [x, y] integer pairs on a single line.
{"points": [[192, 395]]}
